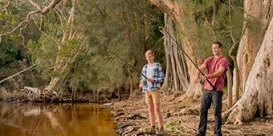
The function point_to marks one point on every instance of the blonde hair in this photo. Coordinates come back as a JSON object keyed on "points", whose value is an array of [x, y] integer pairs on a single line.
{"points": [[149, 52]]}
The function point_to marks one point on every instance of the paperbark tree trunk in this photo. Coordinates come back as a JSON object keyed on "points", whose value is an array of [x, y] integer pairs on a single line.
{"points": [[62, 64], [175, 11], [176, 73], [257, 16], [257, 99]]}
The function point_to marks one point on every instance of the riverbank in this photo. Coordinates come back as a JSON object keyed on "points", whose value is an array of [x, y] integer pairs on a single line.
{"points": [[181, 118], [29, 94]]}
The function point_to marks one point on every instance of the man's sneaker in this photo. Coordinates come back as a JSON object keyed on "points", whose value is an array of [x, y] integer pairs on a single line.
{"points": [[160, 132]]}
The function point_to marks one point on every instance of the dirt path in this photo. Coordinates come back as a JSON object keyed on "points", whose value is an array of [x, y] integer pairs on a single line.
{"points": [[181, 118]]}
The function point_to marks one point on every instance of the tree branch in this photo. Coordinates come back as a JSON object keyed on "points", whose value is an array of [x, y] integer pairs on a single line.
{"points": [[170, 8], [20, 24], [18, 73], [25, 22], [35, 4], [6, 5], [50, 6]]}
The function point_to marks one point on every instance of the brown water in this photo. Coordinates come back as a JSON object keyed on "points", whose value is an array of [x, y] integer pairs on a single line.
{"points": [[55, 120]]}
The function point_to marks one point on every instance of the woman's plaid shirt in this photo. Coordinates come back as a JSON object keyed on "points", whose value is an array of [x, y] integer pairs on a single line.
{"points": [[158, 78]]}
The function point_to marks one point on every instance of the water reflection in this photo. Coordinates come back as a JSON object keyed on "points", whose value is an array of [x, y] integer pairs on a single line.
{"points": [[55, 120]]}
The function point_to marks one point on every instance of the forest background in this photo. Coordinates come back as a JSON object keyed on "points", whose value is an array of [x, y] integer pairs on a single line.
{"points": [[72, 47]]}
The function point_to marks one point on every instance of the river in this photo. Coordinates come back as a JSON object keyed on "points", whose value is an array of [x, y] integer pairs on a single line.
{"points": [[39, 119]]}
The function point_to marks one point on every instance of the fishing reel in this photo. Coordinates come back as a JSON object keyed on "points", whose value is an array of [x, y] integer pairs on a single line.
{"points": [[202, 80]]}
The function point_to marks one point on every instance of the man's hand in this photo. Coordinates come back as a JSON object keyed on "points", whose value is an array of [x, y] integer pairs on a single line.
{"points": [[207, 76], [149, 80], [140, 85]]}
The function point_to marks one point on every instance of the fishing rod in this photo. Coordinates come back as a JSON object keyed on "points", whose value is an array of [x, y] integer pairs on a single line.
{"points": [[180, 47], [127, 63]]}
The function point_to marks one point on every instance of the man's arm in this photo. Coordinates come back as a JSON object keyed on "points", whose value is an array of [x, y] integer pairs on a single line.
{"points": [[218, 73]]}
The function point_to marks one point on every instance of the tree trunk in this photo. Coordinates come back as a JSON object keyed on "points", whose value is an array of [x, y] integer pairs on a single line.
{"points": [[175, 11], [166, 84], [233, 79], [171, 50], [257, 99], [233, 86], [176, 73], [229, 80], [62, 64], [257, 16], [195, 90]]}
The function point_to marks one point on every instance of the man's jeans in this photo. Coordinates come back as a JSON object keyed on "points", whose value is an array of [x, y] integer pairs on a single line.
{"points": [[214, 97]]}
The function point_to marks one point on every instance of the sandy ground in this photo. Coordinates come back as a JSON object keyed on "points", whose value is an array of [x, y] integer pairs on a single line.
{"points": [[181, 118]]}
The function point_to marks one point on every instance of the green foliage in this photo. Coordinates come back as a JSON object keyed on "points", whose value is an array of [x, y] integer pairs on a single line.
{"points": [[13, 56], [11, 48], [126, 27], [10, 51], [198, 23], [69, 48]]}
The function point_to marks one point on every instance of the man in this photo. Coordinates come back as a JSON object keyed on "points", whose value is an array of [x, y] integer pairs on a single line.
{"points": [[150, 85], [216, 67]]}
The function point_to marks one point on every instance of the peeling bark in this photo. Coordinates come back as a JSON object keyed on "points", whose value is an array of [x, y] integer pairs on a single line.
{"points": [[229, 82], [62, 64], [176, 73], [171, 8], [257, 16], [234, 85], [176, 13], [257, 99]]}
